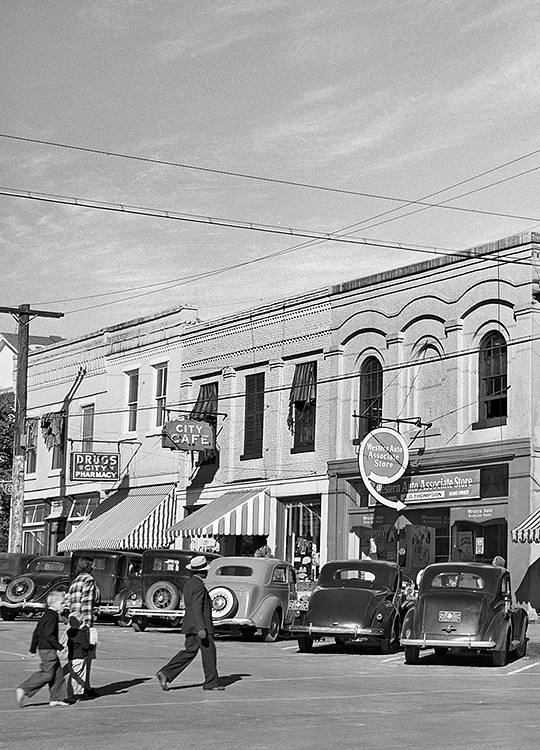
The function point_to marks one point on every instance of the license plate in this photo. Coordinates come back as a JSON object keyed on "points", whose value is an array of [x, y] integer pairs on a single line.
{"points": [[301, 604], [446, 616]]}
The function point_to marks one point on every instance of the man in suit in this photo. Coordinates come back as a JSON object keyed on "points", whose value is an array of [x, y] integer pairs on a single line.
{"points": [[198, 628]]}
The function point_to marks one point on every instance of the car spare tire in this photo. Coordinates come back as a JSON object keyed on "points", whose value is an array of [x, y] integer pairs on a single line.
{"points": [[20, 590], [224, 603], [162, 595]]}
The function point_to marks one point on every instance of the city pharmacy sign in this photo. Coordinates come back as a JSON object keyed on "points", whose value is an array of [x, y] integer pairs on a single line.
{"points": [[95, 467], [383, 459]]}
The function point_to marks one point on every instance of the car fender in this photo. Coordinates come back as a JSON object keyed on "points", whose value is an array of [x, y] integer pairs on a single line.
{"points": [[408, 623], [262, 615], [498, 629], [51, 586]]}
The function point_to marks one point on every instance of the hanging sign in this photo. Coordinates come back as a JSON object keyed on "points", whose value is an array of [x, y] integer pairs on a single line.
{"points": [[382, 459], [94, 467], [188, 435]]}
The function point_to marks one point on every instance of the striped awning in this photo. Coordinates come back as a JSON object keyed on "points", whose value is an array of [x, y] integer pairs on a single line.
{"points": [[529, 529], [130, 518], [240, 512]]}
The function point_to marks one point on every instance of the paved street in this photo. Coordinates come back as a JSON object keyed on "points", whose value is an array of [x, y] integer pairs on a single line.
{"points": [[275, 697]]}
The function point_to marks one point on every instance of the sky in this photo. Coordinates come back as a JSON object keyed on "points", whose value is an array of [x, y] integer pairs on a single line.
{"points": [[356, 101]]}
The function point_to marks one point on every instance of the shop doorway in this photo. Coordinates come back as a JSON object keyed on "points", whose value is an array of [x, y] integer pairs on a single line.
{"points": [[479, 542], [302, 526]]}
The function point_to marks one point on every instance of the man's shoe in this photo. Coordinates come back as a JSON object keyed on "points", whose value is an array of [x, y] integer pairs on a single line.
{"points": [[162, 681], [91, 693], [22, 698], [217, 687], [57, 704]]}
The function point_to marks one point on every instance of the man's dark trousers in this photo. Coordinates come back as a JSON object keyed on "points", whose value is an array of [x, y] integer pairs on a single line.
{"points": [[184, 658]]}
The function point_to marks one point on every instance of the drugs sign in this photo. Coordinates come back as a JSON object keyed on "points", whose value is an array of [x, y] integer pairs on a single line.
{"points": [[95, 467], [188, 435]]}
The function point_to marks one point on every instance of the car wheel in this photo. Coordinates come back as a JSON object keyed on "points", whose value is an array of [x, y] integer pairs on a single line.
{"points": [[521, 650], [500, 658], [139, 623], [412, 654], [162, 595], [248, 633], [20, 589], [391, 645], [270, 634], [440, 651], [8, 614], [305, 644], [224, 602]]}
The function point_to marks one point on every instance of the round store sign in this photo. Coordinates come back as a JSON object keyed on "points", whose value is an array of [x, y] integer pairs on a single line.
{"points": [[383, 456]]}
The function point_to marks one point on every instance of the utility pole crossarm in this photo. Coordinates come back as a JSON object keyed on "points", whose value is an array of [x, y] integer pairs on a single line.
{"points": [[27, 310]]}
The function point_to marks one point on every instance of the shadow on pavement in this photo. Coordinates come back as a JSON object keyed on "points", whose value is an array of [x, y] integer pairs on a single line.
{"points": [[115, 688], [224, 680]]}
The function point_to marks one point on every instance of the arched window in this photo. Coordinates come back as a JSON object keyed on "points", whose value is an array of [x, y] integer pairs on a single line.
{"points": [[371, 390], [492, 368]]}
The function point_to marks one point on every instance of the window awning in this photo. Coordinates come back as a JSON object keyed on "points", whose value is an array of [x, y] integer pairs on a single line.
{"points": [[240, 512], [130, 518], [529, 529]]}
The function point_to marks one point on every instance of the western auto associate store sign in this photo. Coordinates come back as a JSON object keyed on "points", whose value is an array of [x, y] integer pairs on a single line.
{"points": [[428, 488], [95, 466], [188, 435]]}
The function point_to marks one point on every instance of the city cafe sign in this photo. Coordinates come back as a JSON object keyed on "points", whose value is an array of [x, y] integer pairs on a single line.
{"points": [[383, 459], [95, 466], [188, 435]]}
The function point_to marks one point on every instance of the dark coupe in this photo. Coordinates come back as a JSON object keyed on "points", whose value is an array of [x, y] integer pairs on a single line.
{"points": [[355, 601], [465, 606]]}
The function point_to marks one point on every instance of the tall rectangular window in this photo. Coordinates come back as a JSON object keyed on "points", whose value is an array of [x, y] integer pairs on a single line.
{"points": [[254, 416], [161, 394], [88, 428], [206, 408], [371, 390], [31, 445], [302, 407], [133, 399]]}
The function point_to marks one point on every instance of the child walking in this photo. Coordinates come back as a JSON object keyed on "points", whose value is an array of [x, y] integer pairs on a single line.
{"points": [[45, 640], [79, 649]]}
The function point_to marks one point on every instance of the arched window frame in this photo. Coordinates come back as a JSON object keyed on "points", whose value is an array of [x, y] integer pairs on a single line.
{"points": [[370, 396], [492, 381]]}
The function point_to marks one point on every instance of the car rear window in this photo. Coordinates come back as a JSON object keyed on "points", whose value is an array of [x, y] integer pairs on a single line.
{"points": [[234, 570], [49, 565], [458, 580], [168, 563], [346, 574]]}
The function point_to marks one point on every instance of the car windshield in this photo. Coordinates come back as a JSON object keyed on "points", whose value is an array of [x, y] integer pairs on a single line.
{"points": [[234, 570]]}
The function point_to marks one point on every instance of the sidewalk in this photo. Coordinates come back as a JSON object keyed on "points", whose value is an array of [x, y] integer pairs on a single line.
{"points": [[533, 635]]}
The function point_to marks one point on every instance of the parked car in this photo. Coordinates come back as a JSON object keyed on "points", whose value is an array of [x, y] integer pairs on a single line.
{"points": [[27, 593], [252, 593], [162, 582], [118, 580], [355, 601], [465, 606], [12, 565]]}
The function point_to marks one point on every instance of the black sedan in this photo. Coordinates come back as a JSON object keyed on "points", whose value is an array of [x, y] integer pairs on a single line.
{"points": [[465, 606], [355, 601]]}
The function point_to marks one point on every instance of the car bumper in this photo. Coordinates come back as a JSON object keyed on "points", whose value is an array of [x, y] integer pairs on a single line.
{"points": [[344, 632], [237, 622], [23, 605], [465, 642]]}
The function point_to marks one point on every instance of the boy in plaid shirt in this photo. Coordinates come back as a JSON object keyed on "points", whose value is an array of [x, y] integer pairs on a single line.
{"points": [[81, 599]]}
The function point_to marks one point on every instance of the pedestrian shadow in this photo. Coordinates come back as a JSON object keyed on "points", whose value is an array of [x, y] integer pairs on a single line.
{"points": [[118, 688], [224, 681]]}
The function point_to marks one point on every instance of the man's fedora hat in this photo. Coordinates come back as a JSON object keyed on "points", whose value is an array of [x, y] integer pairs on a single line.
{"points": [[198, 564]]}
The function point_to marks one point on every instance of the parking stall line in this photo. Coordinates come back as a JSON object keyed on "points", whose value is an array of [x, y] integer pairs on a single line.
{"points": [[523, 669]]}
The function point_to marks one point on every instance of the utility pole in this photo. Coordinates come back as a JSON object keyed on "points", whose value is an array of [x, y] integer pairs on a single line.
{"points": [[23, 314]]}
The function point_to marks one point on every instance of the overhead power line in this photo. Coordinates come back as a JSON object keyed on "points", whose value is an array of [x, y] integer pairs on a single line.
{"points": [[230, 223], [309, 186]]}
